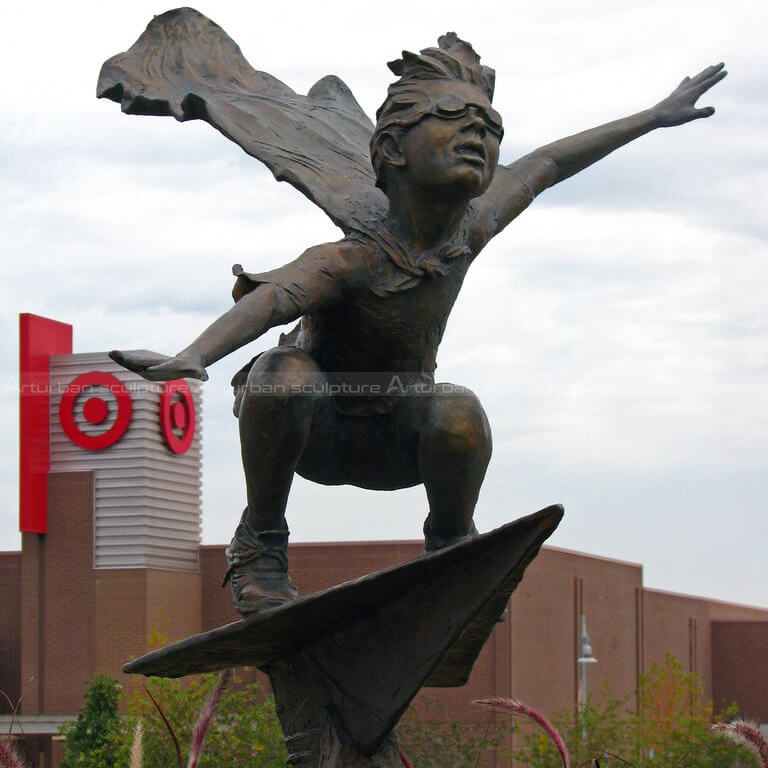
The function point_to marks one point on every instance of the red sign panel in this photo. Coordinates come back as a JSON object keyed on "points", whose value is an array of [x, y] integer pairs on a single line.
{"points": [[39, 338]]}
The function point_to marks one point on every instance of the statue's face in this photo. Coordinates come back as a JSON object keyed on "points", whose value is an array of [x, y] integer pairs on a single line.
{"points": [[454, 149]]}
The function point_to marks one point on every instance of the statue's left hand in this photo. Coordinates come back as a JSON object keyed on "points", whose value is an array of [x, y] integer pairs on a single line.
{"points": [[680, 106]]}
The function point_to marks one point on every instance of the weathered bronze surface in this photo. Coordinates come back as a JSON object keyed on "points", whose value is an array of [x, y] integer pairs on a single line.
{"points": [[418, 196], [356, 654], [349, 397]]}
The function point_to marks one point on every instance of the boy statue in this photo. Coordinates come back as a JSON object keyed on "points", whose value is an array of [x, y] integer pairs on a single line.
{"points": [[348, 397]]}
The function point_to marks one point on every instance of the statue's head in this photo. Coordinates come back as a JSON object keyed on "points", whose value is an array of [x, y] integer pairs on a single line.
{"points": [[437, 122]]}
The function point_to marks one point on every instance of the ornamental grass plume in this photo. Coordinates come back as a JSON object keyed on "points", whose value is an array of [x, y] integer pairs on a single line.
{"points": [[14, 711], [520, 709], [748, 734], [204, 721], [9, 757], [137, 747]]}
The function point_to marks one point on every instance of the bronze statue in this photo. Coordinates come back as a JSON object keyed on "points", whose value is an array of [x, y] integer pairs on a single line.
{"points": [[348, 397]]}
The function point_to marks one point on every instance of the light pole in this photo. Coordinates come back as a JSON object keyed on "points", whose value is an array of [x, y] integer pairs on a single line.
{"points": [[585, 658]]}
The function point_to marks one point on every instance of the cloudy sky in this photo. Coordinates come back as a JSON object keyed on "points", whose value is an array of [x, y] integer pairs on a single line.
{"points": [[616, 332]]}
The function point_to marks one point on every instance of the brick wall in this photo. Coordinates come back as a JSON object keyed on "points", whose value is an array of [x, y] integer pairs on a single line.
{"points": [[740, 672], [57, 629], [10, 628]]}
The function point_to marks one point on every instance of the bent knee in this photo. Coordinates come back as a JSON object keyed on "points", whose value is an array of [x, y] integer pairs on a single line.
{"points": [[284, 360], [283, 372], [458, 422]]}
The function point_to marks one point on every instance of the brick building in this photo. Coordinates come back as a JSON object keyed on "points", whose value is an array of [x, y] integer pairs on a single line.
{"points": [[110, 520], [65, 620]]}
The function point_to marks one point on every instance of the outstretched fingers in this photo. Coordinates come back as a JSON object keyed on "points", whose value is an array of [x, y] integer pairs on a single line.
{"points": [[707, 83], [156, 367], [137, 360], [707, 73], [706, 79], [716, 75]]}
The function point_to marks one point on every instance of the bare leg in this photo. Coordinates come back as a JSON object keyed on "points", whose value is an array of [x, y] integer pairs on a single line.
{"points": [[276, 414], [454, 451], [274, 429]]}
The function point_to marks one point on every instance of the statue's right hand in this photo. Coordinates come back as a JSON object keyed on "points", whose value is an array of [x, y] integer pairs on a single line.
{"points": [[155, 367]]}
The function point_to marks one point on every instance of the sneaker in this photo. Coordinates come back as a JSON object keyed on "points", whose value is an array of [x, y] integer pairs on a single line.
{"points": [[258, 570]]}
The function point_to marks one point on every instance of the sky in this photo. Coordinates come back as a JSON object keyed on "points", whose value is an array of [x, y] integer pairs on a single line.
{"points": [[616, 332]]}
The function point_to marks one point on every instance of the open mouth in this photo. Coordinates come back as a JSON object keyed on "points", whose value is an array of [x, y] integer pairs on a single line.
{"points": [[472, 151]]}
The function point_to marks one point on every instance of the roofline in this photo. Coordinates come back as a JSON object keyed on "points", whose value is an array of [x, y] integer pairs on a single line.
{"points": [[711, 600], [603, 558], [420, 543]]}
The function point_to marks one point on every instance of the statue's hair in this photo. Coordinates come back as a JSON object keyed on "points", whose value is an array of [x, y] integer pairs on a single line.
{"points": [[407, 99]]}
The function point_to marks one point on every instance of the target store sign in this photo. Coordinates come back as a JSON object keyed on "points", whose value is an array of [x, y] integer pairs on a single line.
{"points": [[106, 406], [141, 440], [177, 416], [87, 392]]}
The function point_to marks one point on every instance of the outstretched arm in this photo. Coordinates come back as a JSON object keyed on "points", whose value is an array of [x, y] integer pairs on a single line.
{"points": [[315, 280], [516, 185]]}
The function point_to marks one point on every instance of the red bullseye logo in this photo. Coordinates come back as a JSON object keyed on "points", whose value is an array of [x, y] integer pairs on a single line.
{"points": [[95, 410], [177, 414]]}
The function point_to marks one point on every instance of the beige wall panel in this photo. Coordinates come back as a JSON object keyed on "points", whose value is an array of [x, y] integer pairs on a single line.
{"points": [[148, 499]]}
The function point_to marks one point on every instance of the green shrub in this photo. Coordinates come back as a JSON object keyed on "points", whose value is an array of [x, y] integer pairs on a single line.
{"points": [[430, 741], [671, 730], [96, 739], [245, 732]]}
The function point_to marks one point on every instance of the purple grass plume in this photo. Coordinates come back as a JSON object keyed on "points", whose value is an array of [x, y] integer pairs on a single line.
{"points": [[748, 734], [520, 709], [9, 757], [204, 721]]}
